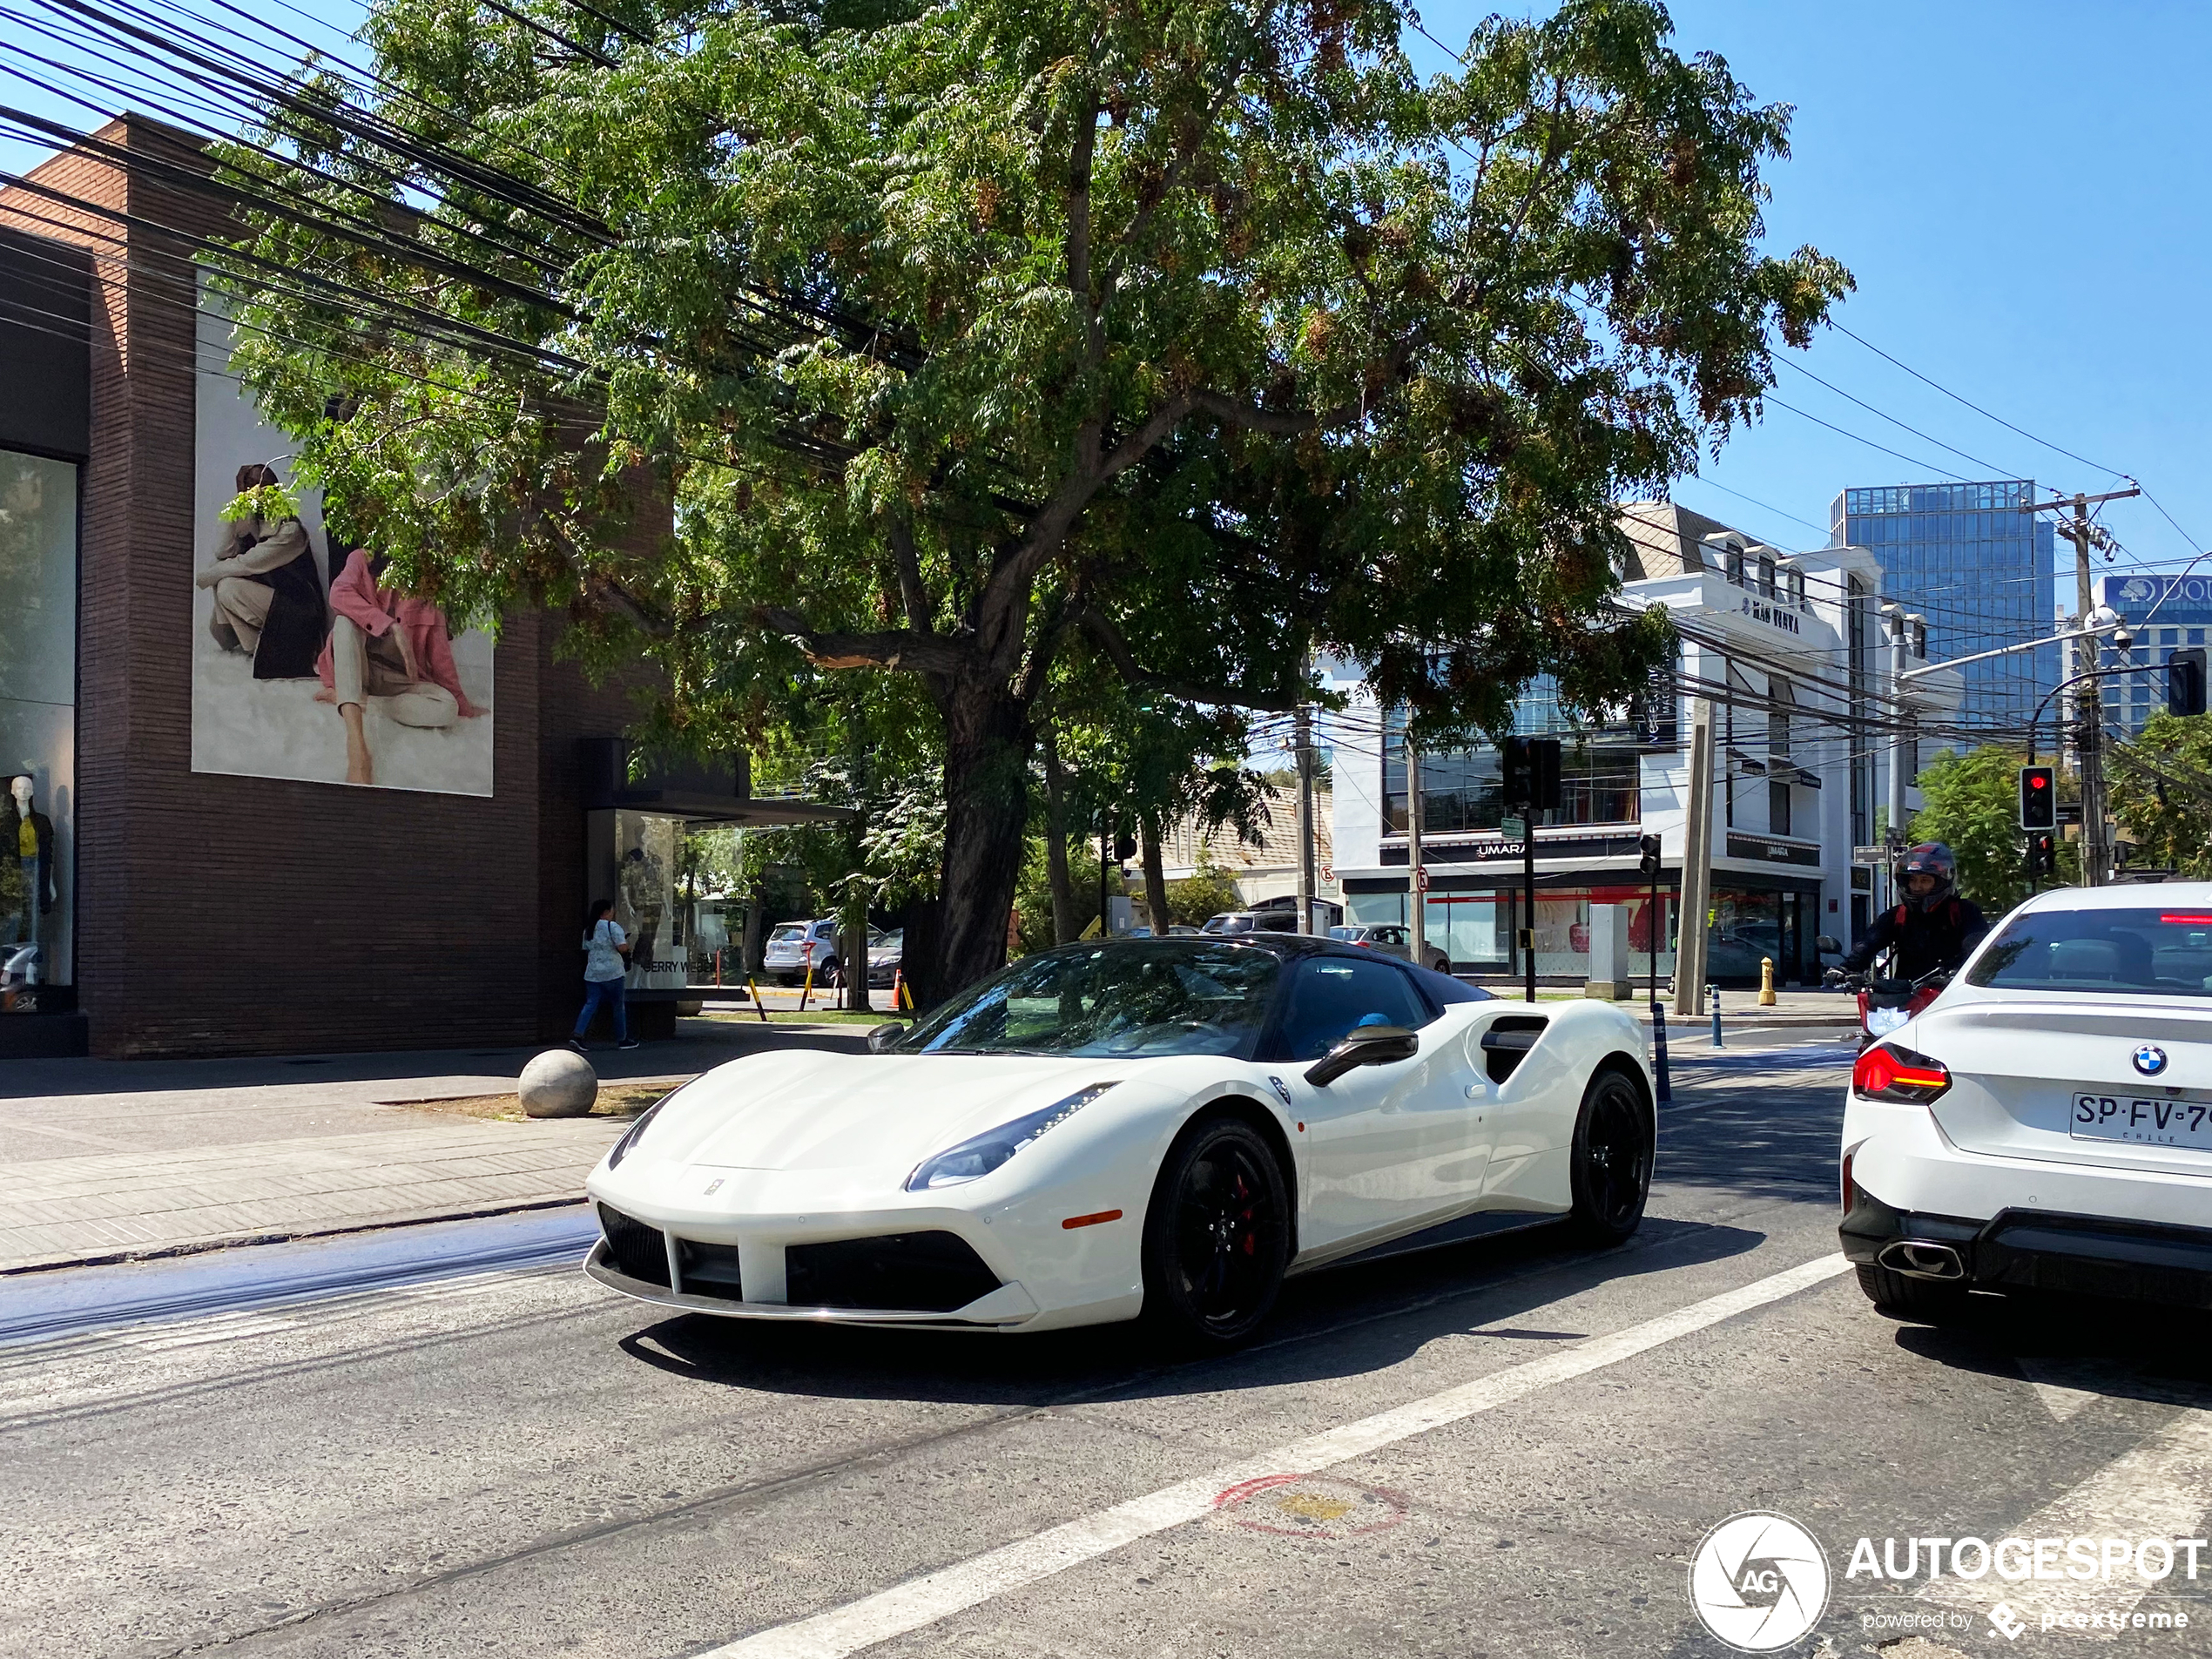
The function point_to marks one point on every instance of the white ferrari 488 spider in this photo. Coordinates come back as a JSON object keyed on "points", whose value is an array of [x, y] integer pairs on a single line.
{"points": [[1158, 1126]]}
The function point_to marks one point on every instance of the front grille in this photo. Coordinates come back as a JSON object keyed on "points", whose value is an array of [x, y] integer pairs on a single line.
{"points": [[639, 1251], [928, 1272]]}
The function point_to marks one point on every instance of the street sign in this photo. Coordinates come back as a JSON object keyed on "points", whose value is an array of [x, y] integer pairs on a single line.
{"points": [[1420, 879], [1514, 829], [1869, 854]]}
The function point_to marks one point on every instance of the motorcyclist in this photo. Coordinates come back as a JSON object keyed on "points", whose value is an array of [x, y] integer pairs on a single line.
{"points": [[1933, 927]]}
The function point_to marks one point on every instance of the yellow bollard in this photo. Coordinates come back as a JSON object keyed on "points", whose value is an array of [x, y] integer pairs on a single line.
{"points": [[757, 1005], [1766, 982]]}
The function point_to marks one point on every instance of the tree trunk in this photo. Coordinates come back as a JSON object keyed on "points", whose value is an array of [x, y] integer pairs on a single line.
{"points": [[987, 803], [1065, 925], [856, 958], [1155, 881]]}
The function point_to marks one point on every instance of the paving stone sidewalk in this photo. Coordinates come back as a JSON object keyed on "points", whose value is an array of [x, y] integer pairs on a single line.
{"points": [[109, 1160]]}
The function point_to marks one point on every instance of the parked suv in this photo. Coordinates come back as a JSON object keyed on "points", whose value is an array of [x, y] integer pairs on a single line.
{"points": [[785, 956]]}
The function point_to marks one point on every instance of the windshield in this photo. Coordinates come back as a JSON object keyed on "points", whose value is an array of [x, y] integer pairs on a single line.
{"points": [[2152, 951], [1167, 997]]}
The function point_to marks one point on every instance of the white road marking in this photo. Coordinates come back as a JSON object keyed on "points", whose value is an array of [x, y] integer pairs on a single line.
{"points": [[920, 1602], [2066, 1386], [2159, 1490]]}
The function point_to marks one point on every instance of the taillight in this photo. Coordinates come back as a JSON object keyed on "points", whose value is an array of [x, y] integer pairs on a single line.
{"points": [[1885, 1072], [1921, 998]]}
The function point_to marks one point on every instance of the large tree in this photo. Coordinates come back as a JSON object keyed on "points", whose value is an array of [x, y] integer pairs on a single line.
{"points": [[1209, 329]]}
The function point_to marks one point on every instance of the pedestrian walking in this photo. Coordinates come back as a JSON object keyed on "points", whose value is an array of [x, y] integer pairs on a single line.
{"points": [[606, 964]]}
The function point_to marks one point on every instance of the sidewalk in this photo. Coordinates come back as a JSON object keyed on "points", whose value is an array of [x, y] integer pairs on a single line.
{"points": [[110, 1160], [1739, 1008]]}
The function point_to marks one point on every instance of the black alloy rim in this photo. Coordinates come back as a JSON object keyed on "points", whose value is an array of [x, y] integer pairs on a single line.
{"points": [[1225, 1231], [1619, 1160]]}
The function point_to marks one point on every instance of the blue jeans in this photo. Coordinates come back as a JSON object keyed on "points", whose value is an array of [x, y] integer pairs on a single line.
{"points": [[607, 992]]}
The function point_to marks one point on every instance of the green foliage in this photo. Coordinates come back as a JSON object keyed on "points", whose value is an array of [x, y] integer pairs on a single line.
{"points": [[272, 503], [1971, 802], [1204, 333], [1208, 892], [2159, 787], [1033, 895]]}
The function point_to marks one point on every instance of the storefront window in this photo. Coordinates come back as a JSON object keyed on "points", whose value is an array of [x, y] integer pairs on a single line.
{"points": [[644, 896], [1474, 929], [37, 733]]}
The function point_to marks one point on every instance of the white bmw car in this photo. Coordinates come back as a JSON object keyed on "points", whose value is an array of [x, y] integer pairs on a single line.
{"points": [[1164, 1127], [2047, 1123]]}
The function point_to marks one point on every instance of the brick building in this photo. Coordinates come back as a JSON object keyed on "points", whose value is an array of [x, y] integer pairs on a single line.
{"points": [[179, 909]]}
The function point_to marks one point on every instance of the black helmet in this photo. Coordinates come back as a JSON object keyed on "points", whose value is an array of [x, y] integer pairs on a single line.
{"points": [[1929, 857]]}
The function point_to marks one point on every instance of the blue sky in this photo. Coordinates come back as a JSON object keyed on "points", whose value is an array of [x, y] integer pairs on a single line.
{"points": [[2021, 190]]}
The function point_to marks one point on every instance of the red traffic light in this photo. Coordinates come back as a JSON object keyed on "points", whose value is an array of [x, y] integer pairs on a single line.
{"points": [[2037, 780]]}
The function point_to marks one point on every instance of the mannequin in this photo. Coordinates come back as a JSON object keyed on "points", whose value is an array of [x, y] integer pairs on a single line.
{"points": [[27, 845]]}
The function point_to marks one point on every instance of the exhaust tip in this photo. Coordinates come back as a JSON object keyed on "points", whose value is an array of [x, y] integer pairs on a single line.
{"points": [[1919, 1259]]}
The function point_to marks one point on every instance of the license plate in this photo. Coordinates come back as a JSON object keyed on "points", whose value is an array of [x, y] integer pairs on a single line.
{"points": [[2141, 1118]]}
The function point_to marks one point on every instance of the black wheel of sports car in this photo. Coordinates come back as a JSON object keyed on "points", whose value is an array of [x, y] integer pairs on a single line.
{"points": [[1923, 1301], [1610, 1172], [1216, 1238]]}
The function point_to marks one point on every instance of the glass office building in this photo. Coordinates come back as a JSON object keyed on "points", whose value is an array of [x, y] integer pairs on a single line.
{"points": [[2167, 612], [1977, 564]]}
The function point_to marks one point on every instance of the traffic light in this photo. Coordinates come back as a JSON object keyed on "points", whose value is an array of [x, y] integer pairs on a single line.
{"points": [[2039, 797], [2042, 854], [1532, 772], [1648, 864], [2185, 682]]}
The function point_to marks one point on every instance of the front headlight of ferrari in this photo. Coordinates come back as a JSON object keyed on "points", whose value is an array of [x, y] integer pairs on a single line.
{"points": [[981, 1154], [636, 1132]]}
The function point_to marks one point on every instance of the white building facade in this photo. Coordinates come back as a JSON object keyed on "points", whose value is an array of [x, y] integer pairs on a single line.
{"points": [[1791, 651]]}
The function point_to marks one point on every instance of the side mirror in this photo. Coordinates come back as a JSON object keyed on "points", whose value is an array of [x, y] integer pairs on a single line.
{"points": [[1364, 1045], [886, 1036], [1826, 945]]}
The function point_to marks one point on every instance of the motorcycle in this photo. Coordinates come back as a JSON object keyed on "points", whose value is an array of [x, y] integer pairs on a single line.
{"points": [[1885, 1005]]}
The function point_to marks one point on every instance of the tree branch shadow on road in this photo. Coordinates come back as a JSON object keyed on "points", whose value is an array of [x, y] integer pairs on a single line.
{"points": [[1346, 1322], [1760, 1142]]}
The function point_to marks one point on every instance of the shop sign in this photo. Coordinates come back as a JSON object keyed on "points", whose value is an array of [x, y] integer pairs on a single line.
{"points": [[1759, 847], [1776, 616]]}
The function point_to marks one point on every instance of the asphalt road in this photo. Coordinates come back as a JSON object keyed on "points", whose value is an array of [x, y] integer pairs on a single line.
{"points": [[447, 1443]]}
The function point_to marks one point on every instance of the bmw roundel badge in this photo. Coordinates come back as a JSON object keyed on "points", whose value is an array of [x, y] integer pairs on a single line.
{"points": [[2150, 1060]]}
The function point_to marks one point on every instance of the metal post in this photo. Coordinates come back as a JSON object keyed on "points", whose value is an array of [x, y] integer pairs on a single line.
{"points": [[1416, 897], [1697, 865], [1528, 899], [1714, 991], [1306, 820], [1105, 846]]}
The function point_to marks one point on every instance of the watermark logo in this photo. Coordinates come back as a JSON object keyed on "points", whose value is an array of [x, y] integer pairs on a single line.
{"points": [[2008, 1623], [1759, 1581]]}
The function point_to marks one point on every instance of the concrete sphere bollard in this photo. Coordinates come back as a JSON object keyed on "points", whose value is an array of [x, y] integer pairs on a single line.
{"points": [[558, 1083]]}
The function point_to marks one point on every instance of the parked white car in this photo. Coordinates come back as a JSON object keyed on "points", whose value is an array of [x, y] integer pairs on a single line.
{"points": [[1163, 1126], [2046, 1124], [784, 955]]}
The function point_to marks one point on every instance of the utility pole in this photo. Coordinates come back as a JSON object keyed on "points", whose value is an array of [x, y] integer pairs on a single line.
{"points": [[1696, 866], [2089, 744], [1894, 616], [1416, 888], [1306, 820]]}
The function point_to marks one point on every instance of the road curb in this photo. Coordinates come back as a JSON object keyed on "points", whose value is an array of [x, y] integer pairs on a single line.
{"points": [[247, 1241]]}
